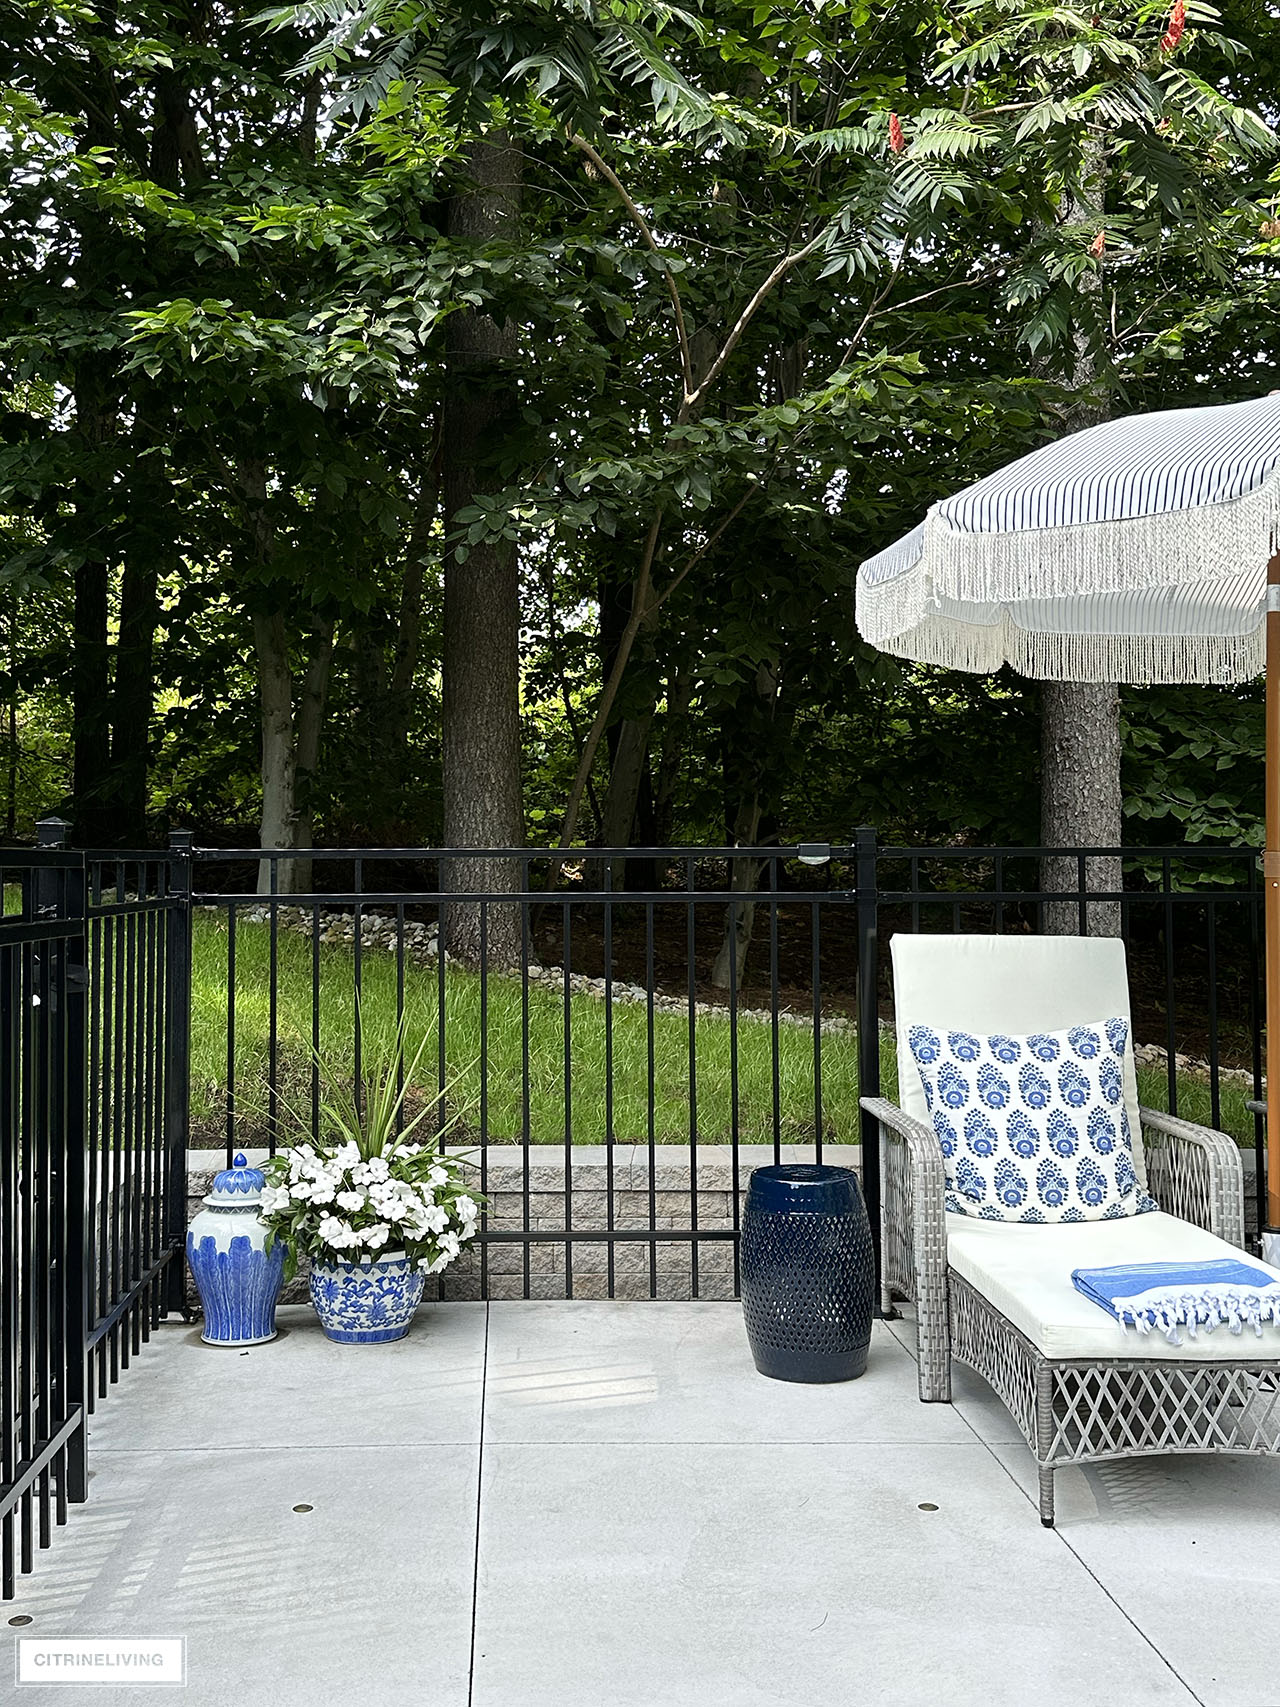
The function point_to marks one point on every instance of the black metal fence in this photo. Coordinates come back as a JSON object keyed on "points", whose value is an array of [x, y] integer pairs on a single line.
{"points": [[138, 964], [626, 1032], [622, 1035], [93, 1007]]}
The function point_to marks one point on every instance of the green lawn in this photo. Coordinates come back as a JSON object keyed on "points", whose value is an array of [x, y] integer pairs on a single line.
{"points": [[1194, 1102], [674, 1085], [501, 1051]]}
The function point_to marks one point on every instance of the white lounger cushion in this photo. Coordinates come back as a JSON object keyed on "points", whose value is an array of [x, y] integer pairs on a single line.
{"points": [[1025, 1272]]}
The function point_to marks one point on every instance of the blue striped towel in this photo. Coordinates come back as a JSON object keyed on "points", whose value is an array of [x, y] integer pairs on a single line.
{"points": [[1190, 1295]]}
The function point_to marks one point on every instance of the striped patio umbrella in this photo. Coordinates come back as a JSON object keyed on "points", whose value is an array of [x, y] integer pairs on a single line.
{"points": [[1146, 549]]}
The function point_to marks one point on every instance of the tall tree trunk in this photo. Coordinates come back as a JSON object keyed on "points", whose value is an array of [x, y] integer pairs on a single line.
{"points": [[1080, 746], [90, 655], [385, 667], [740, 916], [483, 805], [629, 746], [290, 743], [1081, 801], [629, 752], [132, 693], [371, 739], [670, 753], [90, 700], [627, 740], [404, 663], [96, 392], [279, 751], [739, 924], [310, 722], [630, 787], [279, 757], [290, 747], [11, 779], [628, 770], [174, 158]]}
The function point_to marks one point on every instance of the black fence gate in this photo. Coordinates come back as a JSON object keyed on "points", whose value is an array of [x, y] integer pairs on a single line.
{"points": [[94, 999]]}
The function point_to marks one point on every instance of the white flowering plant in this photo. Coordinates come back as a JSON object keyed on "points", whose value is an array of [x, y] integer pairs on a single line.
{"points": [[366, 1184]]}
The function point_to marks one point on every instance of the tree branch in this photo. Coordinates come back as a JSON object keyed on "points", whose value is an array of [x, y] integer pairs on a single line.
{"points": [[606, 171], [635, 621], [643, 606], [870, 315], [566, 694], [740, 325], [876, 308], [696, 557]]}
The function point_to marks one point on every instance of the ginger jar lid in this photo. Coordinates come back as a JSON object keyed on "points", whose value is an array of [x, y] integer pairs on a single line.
{"points": [[237, 1187]]}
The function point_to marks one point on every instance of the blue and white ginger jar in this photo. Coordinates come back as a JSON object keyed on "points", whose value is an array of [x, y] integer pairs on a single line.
{"points": [[237, 1277], [366, 1302]]}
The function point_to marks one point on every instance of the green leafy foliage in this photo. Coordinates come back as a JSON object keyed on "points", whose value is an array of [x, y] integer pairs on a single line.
{"points": [[226, 297]]}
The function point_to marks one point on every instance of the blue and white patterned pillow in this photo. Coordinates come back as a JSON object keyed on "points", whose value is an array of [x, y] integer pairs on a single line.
{"points": [[1032, 1128]]}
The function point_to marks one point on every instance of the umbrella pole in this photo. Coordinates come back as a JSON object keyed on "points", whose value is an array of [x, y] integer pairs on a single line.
{"points": [[1271, 883]]}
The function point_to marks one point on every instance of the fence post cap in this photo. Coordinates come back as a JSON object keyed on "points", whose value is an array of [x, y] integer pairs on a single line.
{"points": [[51, 832]]}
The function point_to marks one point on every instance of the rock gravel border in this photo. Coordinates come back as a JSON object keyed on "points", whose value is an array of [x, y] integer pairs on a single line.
{"points": [[379, 931]]}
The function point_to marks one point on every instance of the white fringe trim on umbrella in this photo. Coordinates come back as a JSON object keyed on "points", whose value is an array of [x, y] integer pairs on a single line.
{"points": [[1211, 542], [1136, 659]]}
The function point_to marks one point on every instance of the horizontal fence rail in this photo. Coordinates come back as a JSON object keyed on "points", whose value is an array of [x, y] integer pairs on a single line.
{"points": [[624, 1033]]}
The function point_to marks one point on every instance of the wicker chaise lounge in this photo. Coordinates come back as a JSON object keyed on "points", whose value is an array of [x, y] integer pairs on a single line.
{"points": [[998, 1295]]}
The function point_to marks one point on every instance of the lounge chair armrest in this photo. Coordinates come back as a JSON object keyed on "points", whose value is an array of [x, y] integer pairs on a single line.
{"points": [[914, 1245], [1196, 1173]]}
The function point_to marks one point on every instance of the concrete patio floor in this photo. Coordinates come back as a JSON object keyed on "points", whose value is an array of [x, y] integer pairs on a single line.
{"points": [[582, 1504]]}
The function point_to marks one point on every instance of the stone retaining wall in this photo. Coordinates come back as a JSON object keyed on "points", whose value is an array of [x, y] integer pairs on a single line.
{"points": [[635, 1199]]}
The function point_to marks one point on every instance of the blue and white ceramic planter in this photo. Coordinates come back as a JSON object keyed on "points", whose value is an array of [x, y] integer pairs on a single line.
{"points": [[367, 1302], [237, 1278]]}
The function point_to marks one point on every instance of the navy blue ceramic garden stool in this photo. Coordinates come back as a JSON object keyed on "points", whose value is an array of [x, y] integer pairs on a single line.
{"points": [[807, 1273]]}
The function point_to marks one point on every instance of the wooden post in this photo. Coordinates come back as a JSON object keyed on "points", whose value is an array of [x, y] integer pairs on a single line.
{"points": [[1271, 883]]}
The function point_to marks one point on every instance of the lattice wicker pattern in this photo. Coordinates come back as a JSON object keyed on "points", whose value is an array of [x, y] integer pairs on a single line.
{"points": [[897, 1260], [1075, 1412], [1194, 1172], [989, 1344], [1119, 1410]]}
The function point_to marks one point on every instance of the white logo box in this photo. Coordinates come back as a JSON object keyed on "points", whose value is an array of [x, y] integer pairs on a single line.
{"points": [[111, 1660]]}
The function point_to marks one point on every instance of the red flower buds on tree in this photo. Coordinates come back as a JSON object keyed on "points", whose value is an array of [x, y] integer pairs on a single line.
{"points": [[1177, 24], [1099, 244], [896, 139]]}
